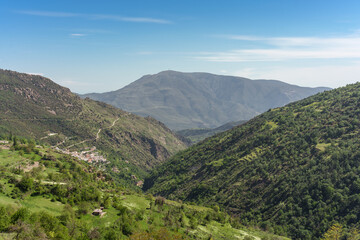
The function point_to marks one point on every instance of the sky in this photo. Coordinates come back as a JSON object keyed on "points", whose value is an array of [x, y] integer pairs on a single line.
{"points": [[99, 46]]}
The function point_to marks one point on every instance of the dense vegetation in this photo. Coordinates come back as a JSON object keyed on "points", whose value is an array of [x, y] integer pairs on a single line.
{"points": [[45, 194], [293, 170], [201, 100], [35, 107]]}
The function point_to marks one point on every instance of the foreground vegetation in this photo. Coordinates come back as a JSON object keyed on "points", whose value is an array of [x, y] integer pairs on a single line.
{"points": [[45, 194], [293, 170]]}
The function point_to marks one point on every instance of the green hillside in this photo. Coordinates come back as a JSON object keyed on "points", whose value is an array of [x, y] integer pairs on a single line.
{"points": [[35, 107], [45, 194], [292, 170]]}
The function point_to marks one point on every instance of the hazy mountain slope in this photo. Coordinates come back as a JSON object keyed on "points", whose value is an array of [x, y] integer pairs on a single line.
{"points": [[294, 169], [197, 135], [34, 106], [201, 100]]}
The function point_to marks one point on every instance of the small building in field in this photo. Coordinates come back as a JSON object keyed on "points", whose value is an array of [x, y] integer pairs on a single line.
{"points": [[99, 212]]}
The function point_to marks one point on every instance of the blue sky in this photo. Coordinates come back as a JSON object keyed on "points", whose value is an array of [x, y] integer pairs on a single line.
{"points": [[97, 46]]}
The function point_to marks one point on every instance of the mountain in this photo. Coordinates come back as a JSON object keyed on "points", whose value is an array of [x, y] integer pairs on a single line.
{"points": [[294, 169], [35, 107], [45, 194], [201, 100], [197, 135]]}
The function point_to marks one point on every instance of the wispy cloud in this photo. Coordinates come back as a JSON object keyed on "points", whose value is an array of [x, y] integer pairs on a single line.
{"points": [[311, 76], [128, 19], [96, 17], [77, 34], [39, 74], [288, 48]]}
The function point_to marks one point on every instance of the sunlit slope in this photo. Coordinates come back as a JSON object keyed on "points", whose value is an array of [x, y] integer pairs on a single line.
{"points": [[293, 169]]}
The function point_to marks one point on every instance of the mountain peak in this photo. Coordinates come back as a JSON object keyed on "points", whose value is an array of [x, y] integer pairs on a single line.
{"points": [[201, 100]]}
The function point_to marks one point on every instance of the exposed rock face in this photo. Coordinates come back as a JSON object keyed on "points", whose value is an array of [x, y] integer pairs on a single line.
{"points": [[34, 106]]}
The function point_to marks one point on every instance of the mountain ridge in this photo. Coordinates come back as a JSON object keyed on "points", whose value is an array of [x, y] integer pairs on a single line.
{"points": [[201, 100]]}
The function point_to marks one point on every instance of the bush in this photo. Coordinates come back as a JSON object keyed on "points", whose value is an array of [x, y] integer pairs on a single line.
{"points": [[21, 214], [159, 201], [26, 184]]}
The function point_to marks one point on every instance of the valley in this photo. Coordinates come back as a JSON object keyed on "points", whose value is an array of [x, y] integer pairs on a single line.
{"points": [[180, 120], [257, 171]]}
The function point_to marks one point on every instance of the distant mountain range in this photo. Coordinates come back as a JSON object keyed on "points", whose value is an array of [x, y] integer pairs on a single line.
{"points": [[201, 100], [35, 107]]}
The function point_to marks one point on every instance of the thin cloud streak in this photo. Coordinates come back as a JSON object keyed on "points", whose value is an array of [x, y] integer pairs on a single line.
{"points": [[300, 41], [288, 48], [128, 19], [37, 74], [96, 17], [77, 35], [316, 76]]}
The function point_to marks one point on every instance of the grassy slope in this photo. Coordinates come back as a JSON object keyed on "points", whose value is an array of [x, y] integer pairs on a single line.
{"points": [[293, 169], [151, 219]]}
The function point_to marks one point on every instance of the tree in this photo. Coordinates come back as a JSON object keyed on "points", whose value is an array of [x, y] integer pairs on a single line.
{"points": [[334, 233], [4, 219], [21, 214], [159, 201], [26, 184]]}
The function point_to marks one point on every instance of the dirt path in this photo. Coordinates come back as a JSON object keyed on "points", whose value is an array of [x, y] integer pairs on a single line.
{"points": [[53, 183], [114, 122], [87, 140], [61, 143], [97, 134]]}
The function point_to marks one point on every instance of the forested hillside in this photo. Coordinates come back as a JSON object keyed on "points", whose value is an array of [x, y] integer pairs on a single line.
{"points": [[292, 170]]}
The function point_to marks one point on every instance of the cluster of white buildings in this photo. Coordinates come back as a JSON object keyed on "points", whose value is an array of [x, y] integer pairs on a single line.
{"points": [[89, 156]]}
